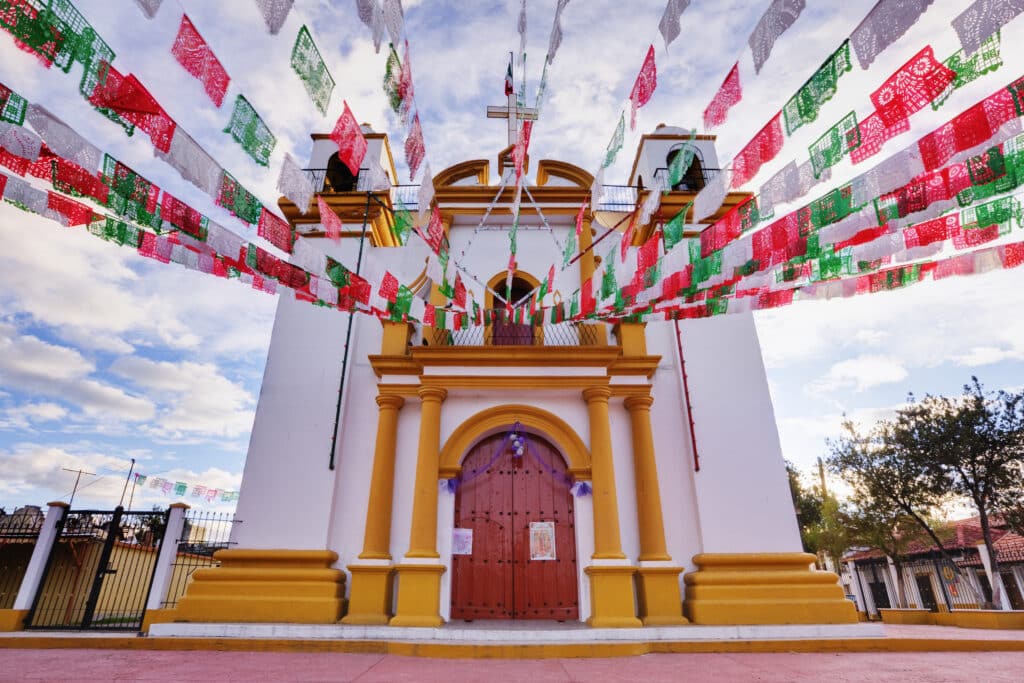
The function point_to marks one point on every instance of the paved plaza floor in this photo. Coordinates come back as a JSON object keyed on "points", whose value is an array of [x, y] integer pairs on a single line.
{"points": [[85, 666], [73, 658]]}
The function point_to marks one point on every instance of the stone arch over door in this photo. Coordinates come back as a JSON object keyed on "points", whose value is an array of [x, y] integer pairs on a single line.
{"points": [[489, 421]]}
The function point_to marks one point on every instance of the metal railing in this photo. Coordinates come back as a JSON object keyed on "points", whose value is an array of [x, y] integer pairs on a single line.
{"points": [[99, 571], [616, 197], [562, 334], [318, 177], [688, 184], [18, 533], [204, 534]]}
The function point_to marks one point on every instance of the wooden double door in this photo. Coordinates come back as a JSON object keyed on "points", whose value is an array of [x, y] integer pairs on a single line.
{"points": [[501, 503]]}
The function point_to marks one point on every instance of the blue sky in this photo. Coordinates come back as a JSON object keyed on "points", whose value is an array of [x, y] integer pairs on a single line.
{"points": [[106, 356]]}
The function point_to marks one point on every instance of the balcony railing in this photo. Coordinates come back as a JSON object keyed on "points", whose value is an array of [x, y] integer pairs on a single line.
{"points": [[561, 334], [687, 184], [616, 197]]}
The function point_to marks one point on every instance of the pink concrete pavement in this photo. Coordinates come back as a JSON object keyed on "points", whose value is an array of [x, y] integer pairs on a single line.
{"points": [[86, 666]]}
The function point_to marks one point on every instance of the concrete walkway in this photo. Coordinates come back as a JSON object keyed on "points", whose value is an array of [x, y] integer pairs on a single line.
{"points": [[85, 666]]}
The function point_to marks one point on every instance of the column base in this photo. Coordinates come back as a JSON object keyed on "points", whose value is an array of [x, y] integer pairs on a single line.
{"points": [[272, 586], [611, 597], [369, 599], [659, 597], [12, 620], [419, 595], [764, 588]]}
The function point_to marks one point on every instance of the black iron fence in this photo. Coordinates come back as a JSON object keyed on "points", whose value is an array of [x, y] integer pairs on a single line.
{"points": [[203, 534], [936, 584], [99, 571], [18, 534], [931, 583], [505, 334]]}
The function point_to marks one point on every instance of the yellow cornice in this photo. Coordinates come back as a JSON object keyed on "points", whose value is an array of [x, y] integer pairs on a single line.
{"points": [[504, 383], [644, 366], [512, 356], [394, 365], [463, 194], [351, 207]]}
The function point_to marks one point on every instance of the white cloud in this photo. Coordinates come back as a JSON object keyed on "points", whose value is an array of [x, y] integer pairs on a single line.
{"points": [[195, 398], [28, 468], [43, 369], [860, 374], [26, 415]]}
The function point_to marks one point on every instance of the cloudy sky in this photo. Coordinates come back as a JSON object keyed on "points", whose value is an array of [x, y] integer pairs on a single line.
{"points": [[105, 356]]}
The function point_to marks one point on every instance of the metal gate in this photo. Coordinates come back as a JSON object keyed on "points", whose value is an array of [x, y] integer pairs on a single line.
{"points": [[100, 570]]}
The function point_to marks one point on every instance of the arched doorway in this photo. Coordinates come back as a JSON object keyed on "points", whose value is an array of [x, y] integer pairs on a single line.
{"points": [[339, 178], [504, 500], [503, 331]]}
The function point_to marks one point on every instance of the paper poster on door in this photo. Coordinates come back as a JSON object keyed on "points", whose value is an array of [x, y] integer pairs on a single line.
{"points": [[542, 540], [462, 541]]}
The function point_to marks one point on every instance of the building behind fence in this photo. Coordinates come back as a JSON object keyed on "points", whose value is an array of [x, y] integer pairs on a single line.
{"points": [[931, 581]]}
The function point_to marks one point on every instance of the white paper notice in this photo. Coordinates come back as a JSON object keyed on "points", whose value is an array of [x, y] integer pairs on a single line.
{"points": [[462, 541], [542, 540]]}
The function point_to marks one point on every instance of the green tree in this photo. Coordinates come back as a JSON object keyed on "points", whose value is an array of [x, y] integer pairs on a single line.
{"points": [[831, 534], [807, 506], [888, 481], [971, 446]]}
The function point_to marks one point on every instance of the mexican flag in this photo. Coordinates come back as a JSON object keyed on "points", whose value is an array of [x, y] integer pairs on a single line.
{"points": [[509, 87]]}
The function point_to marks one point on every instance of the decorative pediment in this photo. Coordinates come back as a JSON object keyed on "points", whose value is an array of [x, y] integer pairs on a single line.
{"points": [[480, 168], [549, 168]]}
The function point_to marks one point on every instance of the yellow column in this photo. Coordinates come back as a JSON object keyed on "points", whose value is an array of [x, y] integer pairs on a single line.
{"points": [[419, 584], [659, 597], [377, 536], [607, 541], [423, 534], [648, 495], [611, 585], [370, 595], [588, 265]]}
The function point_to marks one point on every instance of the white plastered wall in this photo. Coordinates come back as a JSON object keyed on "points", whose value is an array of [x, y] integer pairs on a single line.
{"points": [[286, 497], [743, 497]]}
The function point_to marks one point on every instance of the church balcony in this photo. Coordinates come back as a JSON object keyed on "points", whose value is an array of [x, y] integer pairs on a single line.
{"points": [[319, 178], [498, 334]]}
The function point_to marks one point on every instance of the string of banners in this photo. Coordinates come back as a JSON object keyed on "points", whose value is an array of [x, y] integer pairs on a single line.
{"points": [[210, 494]]}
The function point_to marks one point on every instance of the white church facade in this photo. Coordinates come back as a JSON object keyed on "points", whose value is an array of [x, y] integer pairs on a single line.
{"points": [[616, 474]]}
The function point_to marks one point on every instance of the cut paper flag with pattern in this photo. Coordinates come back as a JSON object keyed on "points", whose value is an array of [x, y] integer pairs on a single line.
{"points": [[311, 69], [198, 59], [643, 87], [728, 95]]}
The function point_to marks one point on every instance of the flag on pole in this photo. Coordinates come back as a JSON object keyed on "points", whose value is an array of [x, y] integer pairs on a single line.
{"points": [[509, 86]]}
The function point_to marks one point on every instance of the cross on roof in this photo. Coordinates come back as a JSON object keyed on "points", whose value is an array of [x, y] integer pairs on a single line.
{"points": [[514, 113]]}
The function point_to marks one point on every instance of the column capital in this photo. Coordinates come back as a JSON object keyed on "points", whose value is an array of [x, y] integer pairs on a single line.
{"points": [[390, 401], [438, 394], [638, 403], [597, 394]]}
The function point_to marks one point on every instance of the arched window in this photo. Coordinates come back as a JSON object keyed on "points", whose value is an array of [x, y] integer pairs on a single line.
{"points": [[339, 178], [693, 178]]}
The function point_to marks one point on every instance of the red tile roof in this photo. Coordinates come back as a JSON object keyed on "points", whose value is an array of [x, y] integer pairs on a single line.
{"points": [[961, 534]]}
